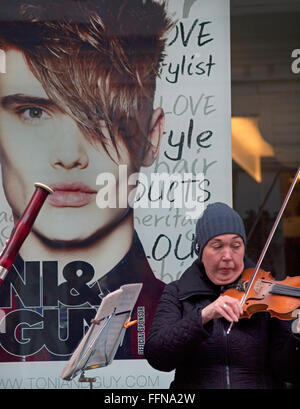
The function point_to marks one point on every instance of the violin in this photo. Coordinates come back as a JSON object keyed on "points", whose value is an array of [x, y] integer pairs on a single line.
{"points": [[279, 298], [258, 291]]}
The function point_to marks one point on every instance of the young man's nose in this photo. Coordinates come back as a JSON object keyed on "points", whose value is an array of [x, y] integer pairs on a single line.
{"points": [[69, 148]]}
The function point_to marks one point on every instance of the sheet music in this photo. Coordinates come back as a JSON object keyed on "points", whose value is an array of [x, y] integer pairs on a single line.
{"points": [[99, 345]]}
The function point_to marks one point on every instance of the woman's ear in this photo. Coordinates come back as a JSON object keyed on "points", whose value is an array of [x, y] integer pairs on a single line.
{"points": [[156, 130]]}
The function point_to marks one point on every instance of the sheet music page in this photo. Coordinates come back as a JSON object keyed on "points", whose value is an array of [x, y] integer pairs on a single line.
{"points": [[107, 343], [130, 293], [100, 343]]}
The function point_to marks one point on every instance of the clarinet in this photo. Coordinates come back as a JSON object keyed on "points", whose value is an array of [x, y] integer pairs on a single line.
{"points": [[22, 229]]}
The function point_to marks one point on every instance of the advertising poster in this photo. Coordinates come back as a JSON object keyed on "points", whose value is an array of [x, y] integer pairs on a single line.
{"points": [[122, 108]]}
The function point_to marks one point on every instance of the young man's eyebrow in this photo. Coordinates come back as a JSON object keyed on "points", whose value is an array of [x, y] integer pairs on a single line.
{"points": [[10, 100]]}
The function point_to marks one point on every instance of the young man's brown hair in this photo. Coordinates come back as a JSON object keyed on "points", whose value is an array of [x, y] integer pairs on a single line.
{"points": [[96, 59]]}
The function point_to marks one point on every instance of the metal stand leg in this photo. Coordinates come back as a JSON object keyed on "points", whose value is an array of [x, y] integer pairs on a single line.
{"points": [[89, 380]]}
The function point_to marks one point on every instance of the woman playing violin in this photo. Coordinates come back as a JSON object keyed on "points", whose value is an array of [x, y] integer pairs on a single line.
{"points": [[189, 332]]}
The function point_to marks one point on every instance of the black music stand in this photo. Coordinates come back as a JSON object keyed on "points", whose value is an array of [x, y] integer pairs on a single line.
{"points": [[98, 347]]}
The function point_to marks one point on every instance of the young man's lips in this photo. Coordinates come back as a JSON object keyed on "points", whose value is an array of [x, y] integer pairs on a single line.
{"points": [[71, 194]]}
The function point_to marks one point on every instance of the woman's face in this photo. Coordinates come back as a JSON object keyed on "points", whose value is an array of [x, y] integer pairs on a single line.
{"points": [[223, 258], [39, 143]]}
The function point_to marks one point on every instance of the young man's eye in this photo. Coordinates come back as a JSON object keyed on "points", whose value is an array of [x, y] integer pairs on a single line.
{"points": [[33, 114]]}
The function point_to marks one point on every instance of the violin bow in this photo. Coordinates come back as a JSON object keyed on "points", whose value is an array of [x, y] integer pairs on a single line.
{"points": [[266, 246]]}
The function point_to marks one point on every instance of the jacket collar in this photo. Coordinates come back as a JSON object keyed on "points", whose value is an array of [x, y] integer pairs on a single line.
{"points": [[195, 282]]}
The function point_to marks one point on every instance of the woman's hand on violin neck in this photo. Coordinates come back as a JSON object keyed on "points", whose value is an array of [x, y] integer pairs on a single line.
{"points": [[224, 306]]}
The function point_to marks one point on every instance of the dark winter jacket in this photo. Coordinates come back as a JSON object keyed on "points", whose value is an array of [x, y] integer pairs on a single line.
{"points": [[260, 352]]}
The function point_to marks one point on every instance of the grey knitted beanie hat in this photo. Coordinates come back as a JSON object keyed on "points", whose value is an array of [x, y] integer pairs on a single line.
{"points": [[218, 218]]}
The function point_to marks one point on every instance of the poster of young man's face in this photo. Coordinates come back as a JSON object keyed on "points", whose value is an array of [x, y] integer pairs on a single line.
{"points": [[105, 103]]}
